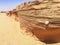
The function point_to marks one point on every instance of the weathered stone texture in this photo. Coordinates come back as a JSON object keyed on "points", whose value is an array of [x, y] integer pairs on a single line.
{"points": [[42, 19]]}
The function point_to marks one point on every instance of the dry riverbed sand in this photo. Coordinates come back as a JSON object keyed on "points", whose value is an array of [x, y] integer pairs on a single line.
{"points": [[10, 33]]}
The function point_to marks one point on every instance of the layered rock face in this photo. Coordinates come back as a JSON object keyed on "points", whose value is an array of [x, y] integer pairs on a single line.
{"points": [[42, 19], [48, 9]]}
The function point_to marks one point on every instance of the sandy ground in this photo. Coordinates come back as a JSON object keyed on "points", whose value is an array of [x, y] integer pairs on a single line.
{"points": [[10, 33]]}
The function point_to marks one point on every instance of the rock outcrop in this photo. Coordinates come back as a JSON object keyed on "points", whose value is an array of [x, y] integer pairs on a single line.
{"points": [[42, 18], [47, 10]]}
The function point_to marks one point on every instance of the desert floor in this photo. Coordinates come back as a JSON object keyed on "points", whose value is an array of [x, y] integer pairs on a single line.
{"points": [[10, 33]]}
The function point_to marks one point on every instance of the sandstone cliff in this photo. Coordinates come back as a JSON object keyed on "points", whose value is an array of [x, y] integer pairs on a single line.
{"points": [[46, 10], [42, 18]]}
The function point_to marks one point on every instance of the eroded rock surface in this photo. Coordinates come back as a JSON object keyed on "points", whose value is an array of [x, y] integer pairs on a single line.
{"points": [[34, 15]]}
